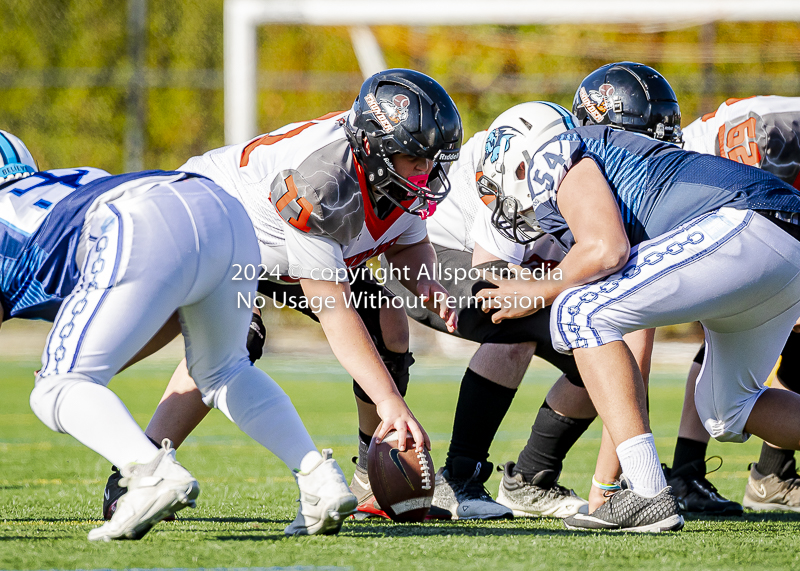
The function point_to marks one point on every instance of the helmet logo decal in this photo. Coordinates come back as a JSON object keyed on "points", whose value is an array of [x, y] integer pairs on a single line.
{"points": [[397, 108], [379, 114], [500, 137], [597, 102]]}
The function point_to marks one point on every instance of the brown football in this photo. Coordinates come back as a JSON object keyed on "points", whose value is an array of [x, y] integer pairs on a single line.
{"points": [[401, 481]]}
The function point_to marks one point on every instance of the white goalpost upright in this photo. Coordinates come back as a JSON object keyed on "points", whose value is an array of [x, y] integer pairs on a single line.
{"points": [[243, 17]]}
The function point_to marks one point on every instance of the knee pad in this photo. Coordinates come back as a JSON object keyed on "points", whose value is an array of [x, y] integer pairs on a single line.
{"points": [[398, 365], [46, 397]]}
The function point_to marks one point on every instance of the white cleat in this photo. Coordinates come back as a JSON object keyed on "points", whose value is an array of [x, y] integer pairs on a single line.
{"points": [[325, 499], [155, 490]]}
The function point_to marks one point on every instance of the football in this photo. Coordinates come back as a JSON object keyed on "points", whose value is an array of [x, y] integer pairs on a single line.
{"points": [[401, 481]]}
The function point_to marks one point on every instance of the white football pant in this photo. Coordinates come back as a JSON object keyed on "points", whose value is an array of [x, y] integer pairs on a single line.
{"points": [[153, 246], [734, 271]]}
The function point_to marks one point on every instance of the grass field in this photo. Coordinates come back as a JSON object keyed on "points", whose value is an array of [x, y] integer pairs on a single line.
{"points": [[51, 486]]}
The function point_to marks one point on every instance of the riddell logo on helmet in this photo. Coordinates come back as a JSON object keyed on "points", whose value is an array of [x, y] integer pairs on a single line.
{"points": [[448, 157], [379, 114], [397, 108]]}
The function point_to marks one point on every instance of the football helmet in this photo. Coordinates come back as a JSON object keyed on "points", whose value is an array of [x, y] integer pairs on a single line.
{"points": [[16, 159], [406, 112], [632, 97], [503, 183], [781, 148]]}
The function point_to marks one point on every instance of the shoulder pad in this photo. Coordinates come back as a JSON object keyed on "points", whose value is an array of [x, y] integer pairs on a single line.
{"points": [[322, 196]]}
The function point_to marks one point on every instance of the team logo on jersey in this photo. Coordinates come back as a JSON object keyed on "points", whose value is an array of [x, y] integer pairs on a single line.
{"points": [[379, 114], [396, 109], [498, 140], [597, 102]]}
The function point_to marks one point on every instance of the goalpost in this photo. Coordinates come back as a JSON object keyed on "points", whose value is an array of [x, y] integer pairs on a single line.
{"points": [[243, 17]]}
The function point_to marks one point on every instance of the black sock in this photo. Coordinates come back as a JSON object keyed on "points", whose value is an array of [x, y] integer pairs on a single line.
{"points": [[363, 447], [773, 460], [552, 435], [481, 407], [156, 444], [688, 451]]}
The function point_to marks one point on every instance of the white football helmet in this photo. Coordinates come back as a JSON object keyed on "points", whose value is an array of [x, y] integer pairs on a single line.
{"points": [[503, 183], [16, 160]]}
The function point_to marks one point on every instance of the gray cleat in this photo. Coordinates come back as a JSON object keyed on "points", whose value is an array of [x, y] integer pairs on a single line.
{"points": [[626, 510], [541, 497], [460, 491]]}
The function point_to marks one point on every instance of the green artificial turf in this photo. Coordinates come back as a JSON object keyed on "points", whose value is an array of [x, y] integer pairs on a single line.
{"points": [[51, 487]]}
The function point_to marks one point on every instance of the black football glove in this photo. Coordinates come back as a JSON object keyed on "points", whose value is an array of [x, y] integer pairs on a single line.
{"points": [[255, 338]]}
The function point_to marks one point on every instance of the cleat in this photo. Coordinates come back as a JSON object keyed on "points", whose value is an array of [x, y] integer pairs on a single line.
{"points": [[541, 497], [462, 494], [155, 491], [112, 493], [367, 504], [324, 499], [696, 494], [626, 510], [773, 492]]}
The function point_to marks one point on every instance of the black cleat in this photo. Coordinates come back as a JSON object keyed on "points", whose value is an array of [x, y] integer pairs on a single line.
{"points": [[626, 510], [696, 494], [112, 493]]}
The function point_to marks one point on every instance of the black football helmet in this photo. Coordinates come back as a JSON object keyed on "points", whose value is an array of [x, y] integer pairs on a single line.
{"points": [[404, 111], [629, 96], [781, 147]]}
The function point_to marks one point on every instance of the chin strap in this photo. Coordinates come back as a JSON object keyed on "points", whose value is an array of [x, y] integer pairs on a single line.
{"points": [[428, 212]]}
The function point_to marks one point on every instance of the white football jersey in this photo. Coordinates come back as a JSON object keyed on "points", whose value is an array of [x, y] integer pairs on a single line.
{"points": [[306, 196], [761, 131], [462, 219]]}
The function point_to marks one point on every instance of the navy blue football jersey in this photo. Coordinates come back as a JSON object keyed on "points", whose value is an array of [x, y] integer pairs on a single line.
{"points": [[41, 217], [657, 186]]}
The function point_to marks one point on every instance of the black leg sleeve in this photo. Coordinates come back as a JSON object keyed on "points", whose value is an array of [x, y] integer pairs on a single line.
{"points": [[481, 407], [552, 436]]}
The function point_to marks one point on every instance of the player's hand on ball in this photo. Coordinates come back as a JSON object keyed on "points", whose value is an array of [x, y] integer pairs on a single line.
{"points": [[395, 415], [436, 298], [512, 298]]}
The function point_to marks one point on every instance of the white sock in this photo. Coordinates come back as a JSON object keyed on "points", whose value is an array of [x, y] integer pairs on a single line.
{"points": [[639, 461], [261, 409], [96, 417]]}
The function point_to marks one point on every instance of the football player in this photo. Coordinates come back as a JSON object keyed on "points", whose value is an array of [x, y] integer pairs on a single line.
{"points": [[81, 247], [324, 196], [656, 235], [764, 132], [466, 245]]}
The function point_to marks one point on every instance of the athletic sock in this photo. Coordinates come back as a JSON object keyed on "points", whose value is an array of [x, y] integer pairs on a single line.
{"points": [[773, 460], [96, 417], [552, 436], [687, 451], [363, 447], [640, 465], [260, 408], [478, 398]]}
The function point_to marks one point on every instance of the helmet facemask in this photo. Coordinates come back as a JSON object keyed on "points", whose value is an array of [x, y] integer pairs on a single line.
{"points": [[508, 216]]}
